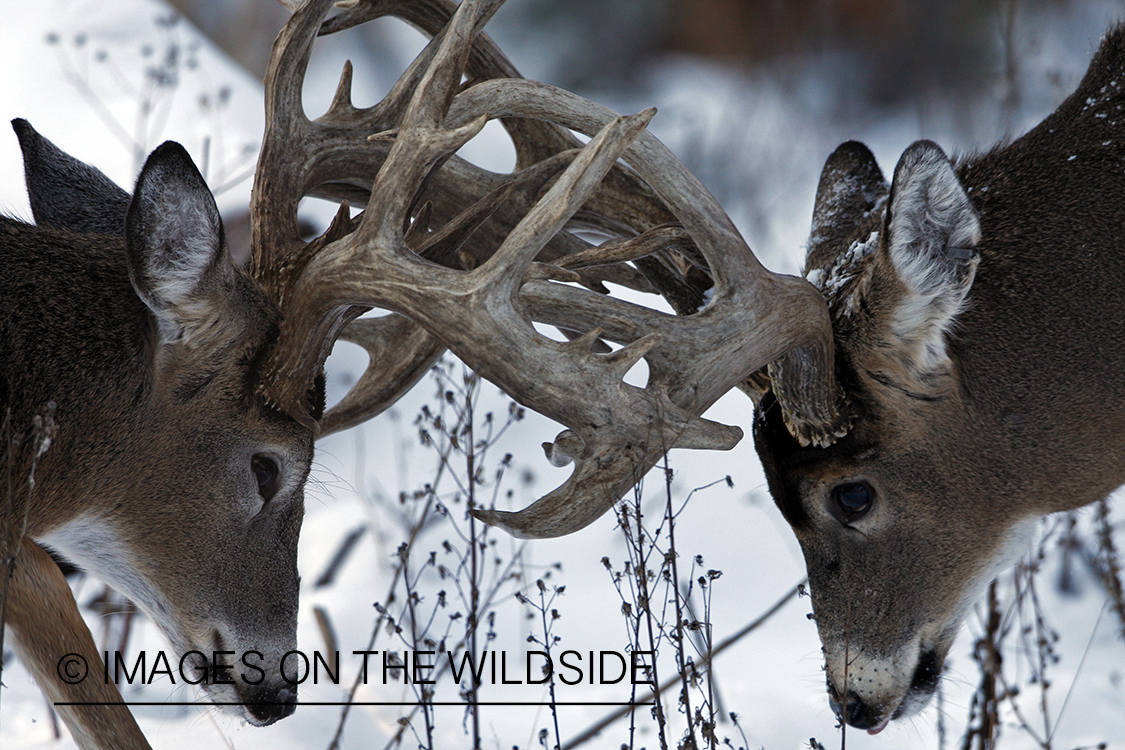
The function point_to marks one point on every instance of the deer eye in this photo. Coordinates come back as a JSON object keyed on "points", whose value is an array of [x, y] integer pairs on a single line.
{"points": [[851, 501], [268, 476]]}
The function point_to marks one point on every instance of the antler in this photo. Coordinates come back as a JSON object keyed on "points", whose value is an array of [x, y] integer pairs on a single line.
{"points": [[332, 158], [510, 234]]}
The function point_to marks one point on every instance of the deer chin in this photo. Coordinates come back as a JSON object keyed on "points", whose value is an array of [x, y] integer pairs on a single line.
{"points": [[923, 685], [96, 546], [236, 685], [267, 710], [234, 677], [259, 707], [260, 701]]}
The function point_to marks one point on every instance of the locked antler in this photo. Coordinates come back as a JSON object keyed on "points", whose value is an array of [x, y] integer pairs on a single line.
{"points": [[500, 255]]}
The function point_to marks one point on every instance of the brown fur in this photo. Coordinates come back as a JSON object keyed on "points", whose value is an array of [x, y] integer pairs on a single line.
{"points": [[148, 480], [1022, 418]]}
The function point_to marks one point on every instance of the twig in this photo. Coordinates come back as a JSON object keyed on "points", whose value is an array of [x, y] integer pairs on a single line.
{"points": [[342, 553], [595, 729], [1111, 567], [1081, 663]]}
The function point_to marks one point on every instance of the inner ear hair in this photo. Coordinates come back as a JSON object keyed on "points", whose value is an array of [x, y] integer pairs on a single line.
{"points": [[930, 237]]}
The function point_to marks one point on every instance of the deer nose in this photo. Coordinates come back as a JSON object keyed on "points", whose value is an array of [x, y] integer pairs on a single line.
{"points": [[272, 707], [856, 713]]}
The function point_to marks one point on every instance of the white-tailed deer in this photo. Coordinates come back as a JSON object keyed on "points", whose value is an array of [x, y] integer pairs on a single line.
{"points": [[166, 475], [907, 452], [980, 349], [946, 386]]}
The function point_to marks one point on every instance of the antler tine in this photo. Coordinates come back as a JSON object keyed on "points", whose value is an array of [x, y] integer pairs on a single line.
{"points": [[616, 431], [533, 140], [400, 353], [476, 313], [697, 358]]}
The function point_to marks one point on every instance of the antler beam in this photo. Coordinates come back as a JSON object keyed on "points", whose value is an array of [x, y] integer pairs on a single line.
{"points": [[513, 230]]}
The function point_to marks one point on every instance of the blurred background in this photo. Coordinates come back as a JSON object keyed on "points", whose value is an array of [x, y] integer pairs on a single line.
{"points": [[753, 94], [747, 88], [902, 47]]}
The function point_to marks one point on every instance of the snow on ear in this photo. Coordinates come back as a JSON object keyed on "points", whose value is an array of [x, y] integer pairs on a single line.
{"points": [[174, 237], [930, 235], [851, 188]]}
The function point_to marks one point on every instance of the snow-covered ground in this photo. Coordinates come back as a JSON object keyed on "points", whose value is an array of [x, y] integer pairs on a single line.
{"points": [[73, 69]]}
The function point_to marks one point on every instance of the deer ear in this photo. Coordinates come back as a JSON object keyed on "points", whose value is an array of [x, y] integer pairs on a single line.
{"points": [[174, 237], [851, 187], [66, 193], [930, 234]]}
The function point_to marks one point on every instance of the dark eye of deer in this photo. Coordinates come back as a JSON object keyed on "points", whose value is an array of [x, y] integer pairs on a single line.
{"points": [[267, 474], [852, 501]]}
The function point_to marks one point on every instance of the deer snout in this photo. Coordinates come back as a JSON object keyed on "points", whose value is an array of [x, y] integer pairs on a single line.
{"points": [[259, 696], [871, 692], [267, 706], [856, 713]]}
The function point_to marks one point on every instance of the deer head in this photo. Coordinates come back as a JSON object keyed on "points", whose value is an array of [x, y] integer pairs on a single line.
{"points": [[970, 307], [167, 475]]}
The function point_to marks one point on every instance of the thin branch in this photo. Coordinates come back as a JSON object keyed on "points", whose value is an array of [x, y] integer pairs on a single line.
{"points": [[595, 729]]}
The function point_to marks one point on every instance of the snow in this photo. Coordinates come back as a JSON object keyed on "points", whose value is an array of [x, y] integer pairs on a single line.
{"points": [[833, 280], [773, 679], [74, 70]]}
